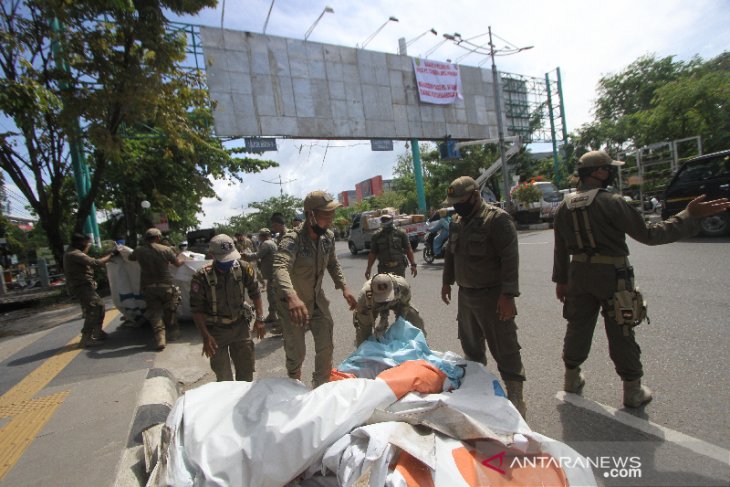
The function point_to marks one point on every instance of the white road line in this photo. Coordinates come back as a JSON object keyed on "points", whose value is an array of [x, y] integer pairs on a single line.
{"points": [[680, 439]]}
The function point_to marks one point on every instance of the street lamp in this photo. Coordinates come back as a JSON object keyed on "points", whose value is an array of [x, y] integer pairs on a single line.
{"points": [[500, 127], [371, 36], [447, 37], [327, 9], [268, 15], [403, 45]]}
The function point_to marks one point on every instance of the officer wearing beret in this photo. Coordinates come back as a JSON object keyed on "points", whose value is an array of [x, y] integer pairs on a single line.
{"points": [[592, 273], [482, 258], [221, 314], [299, 265]]}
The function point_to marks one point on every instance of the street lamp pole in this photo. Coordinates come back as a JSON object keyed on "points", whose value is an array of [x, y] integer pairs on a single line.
{"points": [[500, 127], [327, 9]]}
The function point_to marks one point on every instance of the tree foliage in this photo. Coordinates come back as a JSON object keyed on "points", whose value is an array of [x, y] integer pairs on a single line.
{"points": [[113, 66], [259, 215]]}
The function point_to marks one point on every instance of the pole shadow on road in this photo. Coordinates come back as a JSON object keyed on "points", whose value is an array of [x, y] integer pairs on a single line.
{"points": [[622, 456]]}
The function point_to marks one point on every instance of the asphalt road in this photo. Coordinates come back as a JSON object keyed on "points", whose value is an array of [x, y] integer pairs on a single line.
{"points": [[683, 434], [679, 439]]}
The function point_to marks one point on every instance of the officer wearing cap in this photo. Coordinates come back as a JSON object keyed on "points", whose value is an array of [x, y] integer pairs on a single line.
{"points": [[299, 265], [592, 273], [482, 258], [160, 295], [78, 268], [265, 258], [380, 295], [297, 221], [391, 247], [221, 314], [243, 243]]}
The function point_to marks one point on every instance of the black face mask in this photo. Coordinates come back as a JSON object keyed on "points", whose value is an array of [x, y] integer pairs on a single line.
{"points": [[319, 231], [465, 208], [611, 179]]}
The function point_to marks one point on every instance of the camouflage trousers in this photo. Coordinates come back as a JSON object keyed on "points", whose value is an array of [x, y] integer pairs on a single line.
{"points": [[234, 345], [92, 307], [162, 301]]}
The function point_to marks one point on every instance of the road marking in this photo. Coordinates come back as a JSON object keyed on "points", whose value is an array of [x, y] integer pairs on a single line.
{"points": [[28, 414], [680, 439]]}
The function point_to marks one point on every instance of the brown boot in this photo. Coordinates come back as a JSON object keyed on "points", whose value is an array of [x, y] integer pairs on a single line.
{"points": [[514, 394], [87, 341], [636, 395], [160, 342], [574, 381]]}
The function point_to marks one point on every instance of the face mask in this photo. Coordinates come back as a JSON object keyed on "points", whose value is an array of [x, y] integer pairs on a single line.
{"points": [[388, 224], [465, 208], [609, 181], [224, 266], [319, 231]]}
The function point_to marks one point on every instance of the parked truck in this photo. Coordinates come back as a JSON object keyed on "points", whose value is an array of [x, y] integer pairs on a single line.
{"points": [[365, 224]]}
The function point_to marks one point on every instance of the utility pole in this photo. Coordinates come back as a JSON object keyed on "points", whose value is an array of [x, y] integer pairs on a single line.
{"points": [[500, 127]]}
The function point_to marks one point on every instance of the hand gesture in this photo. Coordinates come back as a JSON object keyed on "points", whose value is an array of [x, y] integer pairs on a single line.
{"points": [[698, 208]]}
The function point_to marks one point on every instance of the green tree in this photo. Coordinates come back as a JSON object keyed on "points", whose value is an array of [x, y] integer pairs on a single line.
{"points": [[119, 58], [259, 214]]}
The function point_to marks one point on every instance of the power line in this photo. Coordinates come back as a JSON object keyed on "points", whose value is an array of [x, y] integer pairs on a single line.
{"points": [[281, 184]]}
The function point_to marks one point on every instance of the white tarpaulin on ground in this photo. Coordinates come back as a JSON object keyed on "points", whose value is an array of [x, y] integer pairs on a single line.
{"points": [[275, 432]]}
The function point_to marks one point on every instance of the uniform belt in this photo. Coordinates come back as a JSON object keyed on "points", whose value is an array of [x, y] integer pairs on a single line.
{"points": [[622, 261], [392, 263], [160, 284], [222, 321]]}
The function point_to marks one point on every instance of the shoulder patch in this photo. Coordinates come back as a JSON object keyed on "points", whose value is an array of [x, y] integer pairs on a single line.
{"points": [[249, 271], [194, 287]]}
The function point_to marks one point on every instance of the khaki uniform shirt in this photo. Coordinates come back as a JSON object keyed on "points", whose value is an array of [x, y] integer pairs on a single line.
{"points": [[229, 299], [79, 268], [299, 266], [482, 251], [389, 245], [265, 256], [245, 245], [611, 219], [154, 262]]}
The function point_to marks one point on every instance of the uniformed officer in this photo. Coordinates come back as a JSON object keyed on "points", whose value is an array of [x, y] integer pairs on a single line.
{"points": [[160, 295], [265, 258], [278, 227], [296, 222], [299, 266], [79, 270], [592, 271], [482, 258], [380, 295], [390, 246], [217, 302], [243, 243]]}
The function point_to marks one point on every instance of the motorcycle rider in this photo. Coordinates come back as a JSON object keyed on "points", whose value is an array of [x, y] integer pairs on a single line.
{"points": [[441, 229]]}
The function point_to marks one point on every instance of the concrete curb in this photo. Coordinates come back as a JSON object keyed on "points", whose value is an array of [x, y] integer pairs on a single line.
{"points": [[156, 399], [534, 226]]}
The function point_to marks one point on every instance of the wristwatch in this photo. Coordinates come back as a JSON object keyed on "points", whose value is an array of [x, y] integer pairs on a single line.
{"points": [[260, 318]]}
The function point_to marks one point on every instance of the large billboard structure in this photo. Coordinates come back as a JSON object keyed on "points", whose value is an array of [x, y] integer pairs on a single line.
{"points": [[274, 86]]}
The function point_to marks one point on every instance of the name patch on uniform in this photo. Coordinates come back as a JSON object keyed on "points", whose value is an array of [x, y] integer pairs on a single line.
{"points": [[194, 287]]}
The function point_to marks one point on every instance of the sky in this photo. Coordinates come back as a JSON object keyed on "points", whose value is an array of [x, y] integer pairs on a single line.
{"points": [[586, 39]]}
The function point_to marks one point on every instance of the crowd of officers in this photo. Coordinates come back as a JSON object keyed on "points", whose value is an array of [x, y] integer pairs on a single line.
{"points": [[591, 272]]}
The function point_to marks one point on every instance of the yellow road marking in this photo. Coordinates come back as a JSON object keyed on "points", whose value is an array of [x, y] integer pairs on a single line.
{"points": [[29, 415]]}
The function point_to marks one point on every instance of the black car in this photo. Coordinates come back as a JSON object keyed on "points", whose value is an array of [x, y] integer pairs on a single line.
{"points": [[707, 174]]}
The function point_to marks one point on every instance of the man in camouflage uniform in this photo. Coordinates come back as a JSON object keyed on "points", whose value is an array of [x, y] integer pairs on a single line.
{"points": [[217, 302], [380, 295], [482, 258], [160, 295], [79, 270], [265, 258], [592, 271], [390, 246], [299, 266]]}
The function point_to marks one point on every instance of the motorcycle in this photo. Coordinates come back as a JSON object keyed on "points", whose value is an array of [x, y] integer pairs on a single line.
{"points": [[428, 254]]}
